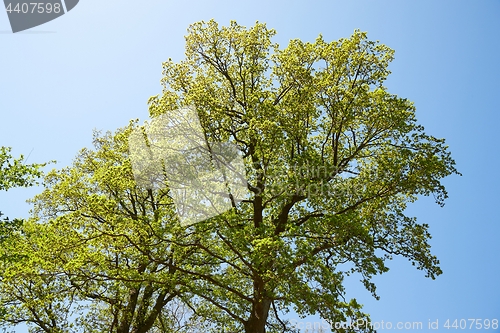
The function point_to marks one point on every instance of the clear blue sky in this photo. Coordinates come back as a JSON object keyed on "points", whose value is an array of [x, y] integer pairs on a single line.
{"points": [[96, 66]]}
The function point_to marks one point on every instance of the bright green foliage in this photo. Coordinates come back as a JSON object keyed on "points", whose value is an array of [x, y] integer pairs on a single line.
{"points": [[13, 173], [332, 161], [97, 250]]}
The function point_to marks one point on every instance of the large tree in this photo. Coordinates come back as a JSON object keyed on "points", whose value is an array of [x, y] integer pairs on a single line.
{"points": [[332, 160]]}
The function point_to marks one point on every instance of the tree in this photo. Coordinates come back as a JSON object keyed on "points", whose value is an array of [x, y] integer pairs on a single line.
{"points": [[332, 160], [96, 249]]}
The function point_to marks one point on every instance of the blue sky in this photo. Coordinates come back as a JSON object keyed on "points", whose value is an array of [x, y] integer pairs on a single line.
{"points": [[96, 66]]}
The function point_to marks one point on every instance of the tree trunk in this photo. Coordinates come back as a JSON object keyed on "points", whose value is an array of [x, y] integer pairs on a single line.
{"points": [[257, 321]]}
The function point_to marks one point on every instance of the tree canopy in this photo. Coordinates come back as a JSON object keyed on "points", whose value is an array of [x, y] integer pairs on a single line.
{"points": [[332, 159]]}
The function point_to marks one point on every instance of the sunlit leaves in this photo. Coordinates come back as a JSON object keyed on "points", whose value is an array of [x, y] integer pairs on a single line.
{"points": [[332, 161], [15, 173]]}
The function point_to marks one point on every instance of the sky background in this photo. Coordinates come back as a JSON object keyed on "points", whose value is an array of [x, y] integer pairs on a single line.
{"points": [[96, 66]]}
